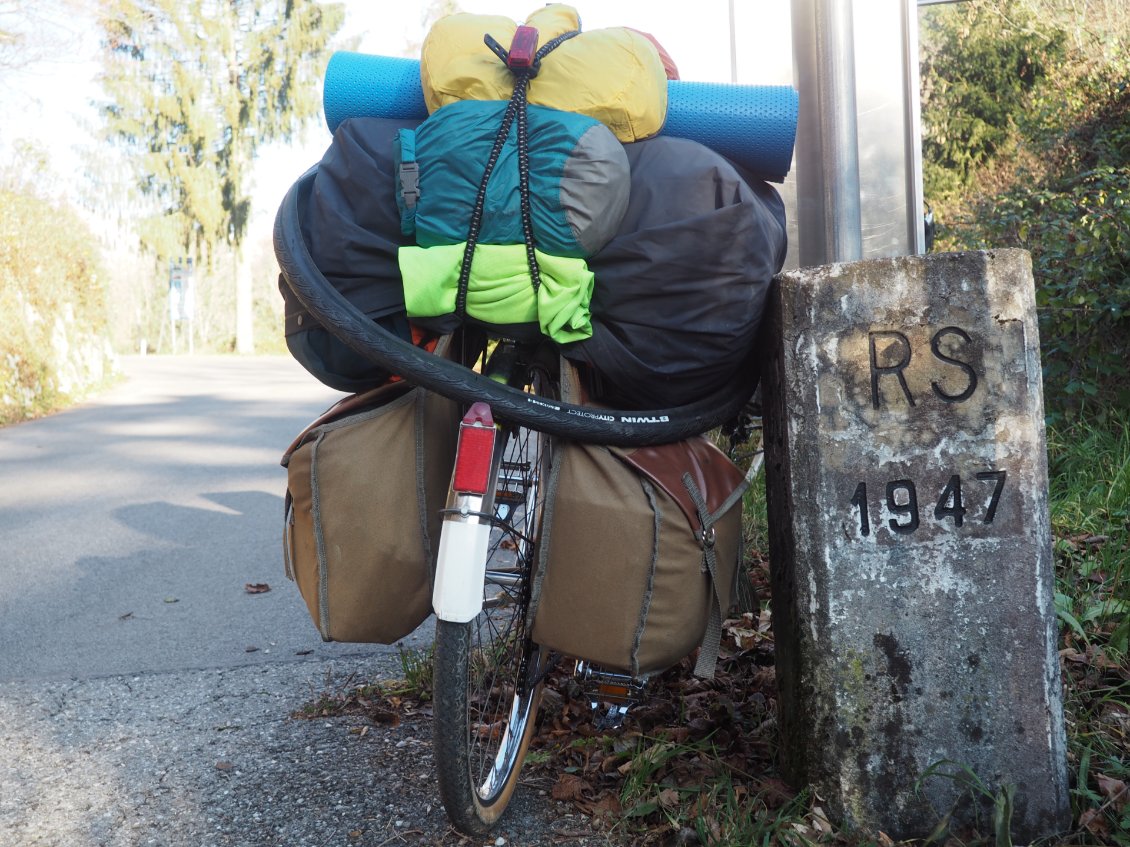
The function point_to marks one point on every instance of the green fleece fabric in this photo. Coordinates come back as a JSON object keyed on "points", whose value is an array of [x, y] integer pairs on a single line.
{"points": [[499, 290]]}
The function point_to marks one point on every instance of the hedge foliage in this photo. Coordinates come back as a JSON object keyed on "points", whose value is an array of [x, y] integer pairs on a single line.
{"points": [[52, 296], [978, 71], [1053, 177]]}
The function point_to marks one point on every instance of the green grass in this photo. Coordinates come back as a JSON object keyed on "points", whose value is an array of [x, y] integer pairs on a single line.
{"points": [[1090, 506], [1089, 477]]}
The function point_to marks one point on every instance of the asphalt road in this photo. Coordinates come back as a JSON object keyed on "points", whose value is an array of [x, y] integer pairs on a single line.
{"points": [[146, 698], [129, 526]]}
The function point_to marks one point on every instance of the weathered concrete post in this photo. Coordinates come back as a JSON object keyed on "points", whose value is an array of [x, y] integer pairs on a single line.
{"points": [[910, 542]]}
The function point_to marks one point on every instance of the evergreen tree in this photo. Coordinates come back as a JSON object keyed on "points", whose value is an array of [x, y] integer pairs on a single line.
{"points": [[193, 88], [1026, 119]]}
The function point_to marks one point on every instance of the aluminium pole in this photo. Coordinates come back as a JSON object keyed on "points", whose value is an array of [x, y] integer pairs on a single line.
{"points": [[827, 148]]}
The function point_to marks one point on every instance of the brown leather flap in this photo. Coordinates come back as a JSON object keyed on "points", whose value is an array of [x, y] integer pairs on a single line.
{"points": [[715, 476]]}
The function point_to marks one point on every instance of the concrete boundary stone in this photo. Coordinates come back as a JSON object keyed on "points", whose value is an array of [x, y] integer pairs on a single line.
{"points": [[910, 543]]}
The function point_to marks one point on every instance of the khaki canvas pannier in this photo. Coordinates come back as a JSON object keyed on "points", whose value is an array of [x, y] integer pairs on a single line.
{"points": [[366, 484], [639, 553]]}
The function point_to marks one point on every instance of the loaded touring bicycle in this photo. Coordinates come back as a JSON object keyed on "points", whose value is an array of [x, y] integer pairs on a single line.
{"points": [[537, 314]]}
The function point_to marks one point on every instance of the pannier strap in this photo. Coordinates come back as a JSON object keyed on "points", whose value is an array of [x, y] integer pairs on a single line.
{"points": [[409, 174], [320, 542], [712, 638], [419, 427]]}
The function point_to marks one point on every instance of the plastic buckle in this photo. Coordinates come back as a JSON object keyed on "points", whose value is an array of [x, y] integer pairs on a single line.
{"points": [[410, 183]]}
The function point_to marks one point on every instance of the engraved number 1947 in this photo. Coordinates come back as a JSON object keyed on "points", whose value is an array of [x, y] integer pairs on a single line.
{"points": [[902, 503]]}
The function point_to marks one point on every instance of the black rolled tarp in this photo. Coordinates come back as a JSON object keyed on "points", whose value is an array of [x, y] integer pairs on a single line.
{"points": [[681, 287]]}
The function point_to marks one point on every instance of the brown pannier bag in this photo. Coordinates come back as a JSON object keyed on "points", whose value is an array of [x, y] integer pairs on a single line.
{"points": [[639, 554], [366, 483]]}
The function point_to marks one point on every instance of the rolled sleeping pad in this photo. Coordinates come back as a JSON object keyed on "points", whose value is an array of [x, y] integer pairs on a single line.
{"points": [[753, 125]]}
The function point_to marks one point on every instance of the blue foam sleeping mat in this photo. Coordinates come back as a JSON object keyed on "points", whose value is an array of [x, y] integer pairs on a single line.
{"points": [[752, 125]]}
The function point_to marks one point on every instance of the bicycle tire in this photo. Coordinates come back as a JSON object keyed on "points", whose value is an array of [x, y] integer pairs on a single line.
{"points": [[488, 673], [565, 420]]}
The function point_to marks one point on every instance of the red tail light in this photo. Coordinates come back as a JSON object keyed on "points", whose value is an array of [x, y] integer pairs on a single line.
{"points": [[475, 450], [523, 48]]}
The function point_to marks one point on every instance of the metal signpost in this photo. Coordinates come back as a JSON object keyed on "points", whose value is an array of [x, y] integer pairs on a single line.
{"points": [[182, 300]]}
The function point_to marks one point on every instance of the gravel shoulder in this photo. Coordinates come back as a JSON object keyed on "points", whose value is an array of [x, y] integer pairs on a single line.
{"points": [[214, 757]]}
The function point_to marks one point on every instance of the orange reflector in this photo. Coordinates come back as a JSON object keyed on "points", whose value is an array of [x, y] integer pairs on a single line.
{"points": [[608, 690], [475, 450]]}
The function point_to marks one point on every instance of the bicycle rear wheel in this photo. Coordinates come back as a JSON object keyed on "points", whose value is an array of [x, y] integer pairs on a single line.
{"points": [[488, 673]]}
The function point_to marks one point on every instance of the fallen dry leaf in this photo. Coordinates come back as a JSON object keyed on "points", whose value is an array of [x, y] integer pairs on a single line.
{"points": [[569, 786], [492, 731], [820, 821], [1114, 790], [774, 792], [389, 718], [1092, 820], [744, 639], [1099, 659], [609, 804]]}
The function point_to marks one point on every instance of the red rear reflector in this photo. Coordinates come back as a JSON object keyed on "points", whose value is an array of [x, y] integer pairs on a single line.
{"points": [[475, 451]]}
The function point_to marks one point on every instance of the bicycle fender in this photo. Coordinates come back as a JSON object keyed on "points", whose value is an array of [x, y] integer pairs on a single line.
{"points": [[461, 569]]}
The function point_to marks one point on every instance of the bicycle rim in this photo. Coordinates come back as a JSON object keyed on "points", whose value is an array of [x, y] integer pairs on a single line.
{"points": [[488, 672]]}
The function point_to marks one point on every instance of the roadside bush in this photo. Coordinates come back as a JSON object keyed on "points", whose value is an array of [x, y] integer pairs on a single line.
{"points": [[54, 346], [1073, 215], [1057, 184], [979, 65]]}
